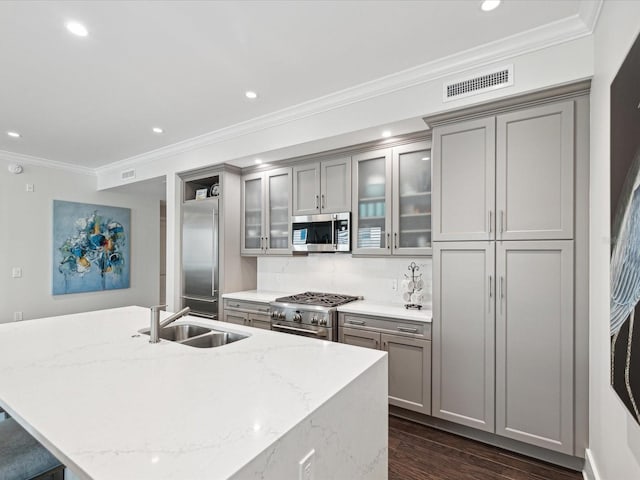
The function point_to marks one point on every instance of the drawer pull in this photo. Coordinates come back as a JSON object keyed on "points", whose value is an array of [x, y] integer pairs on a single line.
{"points": [[408, 330], [355, 322], [237, 305], [265, 310]]}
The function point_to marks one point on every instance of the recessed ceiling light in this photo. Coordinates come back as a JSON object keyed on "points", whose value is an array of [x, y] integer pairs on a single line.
{"points": [[77, 29], [386, 134], [258, 161], [157, 130], [14, 134], [251, 94], [489, 5]]}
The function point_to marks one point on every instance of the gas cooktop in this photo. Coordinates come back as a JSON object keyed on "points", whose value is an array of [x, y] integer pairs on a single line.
{"points": [[318, 298]]}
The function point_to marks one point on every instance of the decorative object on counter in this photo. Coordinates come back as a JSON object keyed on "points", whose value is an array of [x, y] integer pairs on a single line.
{"points": [[625, 234], [201, 194], [90, 248], [215, 190], [412, 288]]}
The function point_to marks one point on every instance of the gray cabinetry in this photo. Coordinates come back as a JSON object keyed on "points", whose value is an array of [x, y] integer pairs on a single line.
{"points": [[322, 187], [251, 314], [534, 173], [266, 211], [463, 333], [392, 201], [409, 347], [534, 343], [464, 181]]}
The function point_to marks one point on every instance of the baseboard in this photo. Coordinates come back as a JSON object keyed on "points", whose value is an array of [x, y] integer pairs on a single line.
{"points": [[590, 471]]}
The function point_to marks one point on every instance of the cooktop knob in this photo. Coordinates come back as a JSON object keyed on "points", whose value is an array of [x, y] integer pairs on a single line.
{"points": [[281, 315], [323, 322], [297, 317], [314, 320], [274, 314]]}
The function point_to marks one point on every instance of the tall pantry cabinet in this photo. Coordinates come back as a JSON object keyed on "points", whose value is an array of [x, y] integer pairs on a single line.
{"points": [[503, 259]]}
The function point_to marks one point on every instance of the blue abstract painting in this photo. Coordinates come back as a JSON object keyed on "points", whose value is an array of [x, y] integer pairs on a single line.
{"points": [[90, 247]]}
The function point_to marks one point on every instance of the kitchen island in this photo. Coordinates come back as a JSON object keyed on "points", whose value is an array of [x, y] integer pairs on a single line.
{"points": [[110, 405]]}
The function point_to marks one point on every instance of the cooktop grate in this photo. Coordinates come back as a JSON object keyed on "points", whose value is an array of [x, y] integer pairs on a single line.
{"points": [[318, 298]]}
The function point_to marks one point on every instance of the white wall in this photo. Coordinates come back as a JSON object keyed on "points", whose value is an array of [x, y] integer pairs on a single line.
{"points": [[341, 273], [614, 437], [26, 242]]}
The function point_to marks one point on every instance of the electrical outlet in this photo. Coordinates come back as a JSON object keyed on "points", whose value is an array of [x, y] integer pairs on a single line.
{"points": [[305, 466], [16, 272], [17, 316], [29, 187]]}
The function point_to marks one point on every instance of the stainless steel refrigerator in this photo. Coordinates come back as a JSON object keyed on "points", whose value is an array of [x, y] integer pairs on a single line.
{"points": [[200, 257]]}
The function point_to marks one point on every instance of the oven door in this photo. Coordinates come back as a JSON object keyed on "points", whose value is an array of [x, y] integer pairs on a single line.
{"points": [[322, 333]]}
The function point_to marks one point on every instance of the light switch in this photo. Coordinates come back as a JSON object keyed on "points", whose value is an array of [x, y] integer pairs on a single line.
{"points": [[16, 272], [29, 187]]}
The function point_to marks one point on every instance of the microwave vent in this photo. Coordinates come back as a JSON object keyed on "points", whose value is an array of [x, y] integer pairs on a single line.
{"points": [[479, 83]]}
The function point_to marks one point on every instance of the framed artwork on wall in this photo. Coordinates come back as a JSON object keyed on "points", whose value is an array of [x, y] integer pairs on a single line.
{"points": [[625, 232], [90, 247]]}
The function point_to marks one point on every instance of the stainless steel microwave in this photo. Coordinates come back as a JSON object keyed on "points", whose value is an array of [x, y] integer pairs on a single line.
{"points": [[327, 232]]}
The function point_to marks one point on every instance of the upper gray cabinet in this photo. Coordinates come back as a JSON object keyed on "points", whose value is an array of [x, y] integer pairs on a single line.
{"points": [[392, 201], [266, 212], [508, 177], [464, 181], [322, 187], [534, 172]]}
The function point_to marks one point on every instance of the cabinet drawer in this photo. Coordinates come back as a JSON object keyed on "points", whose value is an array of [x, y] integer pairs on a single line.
{"points": [[245, 306], [387, 325]]}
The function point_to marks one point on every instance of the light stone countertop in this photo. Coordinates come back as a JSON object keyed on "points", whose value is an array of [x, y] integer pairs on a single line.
{"points": [[387, 310], [110, 405], [264, 296]]}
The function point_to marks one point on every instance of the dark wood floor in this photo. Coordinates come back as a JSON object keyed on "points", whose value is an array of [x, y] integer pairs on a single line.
{"points": [[417, 452]]}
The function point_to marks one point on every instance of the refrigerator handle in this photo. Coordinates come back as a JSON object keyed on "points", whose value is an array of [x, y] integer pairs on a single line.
{"points": [[214, 283]]}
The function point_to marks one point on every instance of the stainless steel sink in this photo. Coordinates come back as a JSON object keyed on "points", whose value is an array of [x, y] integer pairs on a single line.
{"points": [[196, 335], [213, 339]]}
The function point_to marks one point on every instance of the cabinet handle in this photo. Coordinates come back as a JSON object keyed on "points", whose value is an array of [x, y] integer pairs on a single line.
{"points": [[501, 286], [407, 330], [490, 222], [323, 200], [384, 345], [377, 342], [355, 322], [266, 310], [317, 202], [395, 240], [501, 222], [389, 241], [490, 286], [266, 243], [237, 305]]}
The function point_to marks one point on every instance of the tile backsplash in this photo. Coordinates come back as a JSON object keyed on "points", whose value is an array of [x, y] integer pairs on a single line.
{"points": [[371, 278]]}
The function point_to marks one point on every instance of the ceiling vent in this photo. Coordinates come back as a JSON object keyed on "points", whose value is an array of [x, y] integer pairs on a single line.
{"points": [[480, 83], [128, 174]]}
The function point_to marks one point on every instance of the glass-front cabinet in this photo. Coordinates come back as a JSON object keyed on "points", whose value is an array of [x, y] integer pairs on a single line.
{"points": [[412, 199], [392, 201], [371, 199], [266, 209]]}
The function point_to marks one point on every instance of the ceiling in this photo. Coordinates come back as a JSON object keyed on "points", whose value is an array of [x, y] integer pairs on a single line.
{"points": [[185, 65]]}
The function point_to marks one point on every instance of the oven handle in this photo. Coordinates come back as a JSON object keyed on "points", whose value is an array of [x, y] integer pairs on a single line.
{"points": [[301, 330]]}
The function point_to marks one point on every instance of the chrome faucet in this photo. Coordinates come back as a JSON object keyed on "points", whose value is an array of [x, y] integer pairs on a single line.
{"points": [[156, 324]]}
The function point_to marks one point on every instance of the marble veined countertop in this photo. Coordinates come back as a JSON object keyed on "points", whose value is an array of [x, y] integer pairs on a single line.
{"points": [[111, 405], [387, 310]]}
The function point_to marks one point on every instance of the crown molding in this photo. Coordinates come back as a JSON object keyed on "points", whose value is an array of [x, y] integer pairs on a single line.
{"points": [[545, 36], [590, 12], [44, 162]]}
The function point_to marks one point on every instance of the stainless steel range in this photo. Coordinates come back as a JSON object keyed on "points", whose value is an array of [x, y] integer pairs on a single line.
{"points": [[311, 314]]}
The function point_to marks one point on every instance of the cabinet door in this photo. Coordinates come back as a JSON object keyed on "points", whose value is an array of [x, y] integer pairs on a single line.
{"points": [[372, 203], [463, 333], [360, 338], [335, 185], [306, 189], [252, 214], [239, 318], [412, 199], [259, 321], [464, 181], [534, 343], [534, 164], [278, 211], [409, 372]]}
